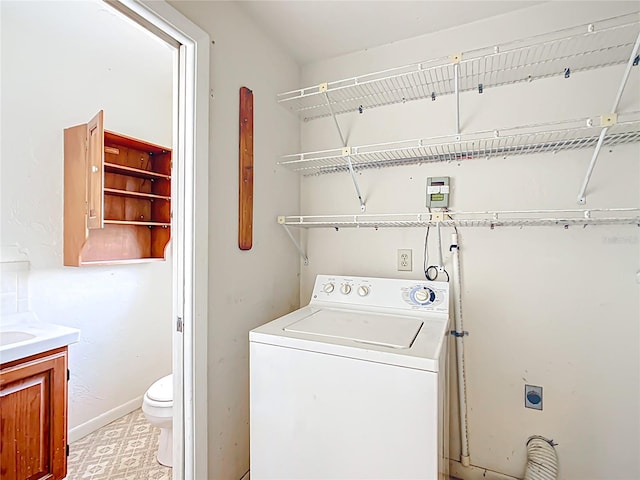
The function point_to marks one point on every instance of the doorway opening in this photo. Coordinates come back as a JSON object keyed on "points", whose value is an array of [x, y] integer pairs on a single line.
{"points": [[189, 227]]}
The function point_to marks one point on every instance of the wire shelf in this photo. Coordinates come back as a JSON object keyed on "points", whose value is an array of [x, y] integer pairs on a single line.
{"points": [[491, 219], [547, 137], [607, 42]]}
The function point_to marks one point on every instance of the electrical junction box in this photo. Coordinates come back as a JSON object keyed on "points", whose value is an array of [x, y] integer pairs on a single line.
{"points": [[437, 192]]}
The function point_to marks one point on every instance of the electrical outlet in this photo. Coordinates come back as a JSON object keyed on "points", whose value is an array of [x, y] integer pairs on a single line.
{"points": [[533, 397], [405, 261]]}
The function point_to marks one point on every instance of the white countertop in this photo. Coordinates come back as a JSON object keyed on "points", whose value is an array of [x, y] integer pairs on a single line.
{"points": [[23, 335]]}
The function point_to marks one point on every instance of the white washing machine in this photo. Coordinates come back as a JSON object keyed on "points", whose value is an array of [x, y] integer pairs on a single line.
{"points": [[353, 385]]}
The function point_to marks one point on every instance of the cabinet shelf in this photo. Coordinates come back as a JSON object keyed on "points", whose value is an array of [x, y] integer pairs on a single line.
{"points": [[132, 261], [547, 137], [604, 43], [137, 223], [565, 218], [134, 172], [141, 195]]}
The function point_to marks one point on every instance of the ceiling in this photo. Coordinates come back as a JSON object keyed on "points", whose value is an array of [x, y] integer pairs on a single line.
{"points": [[312, 30]]}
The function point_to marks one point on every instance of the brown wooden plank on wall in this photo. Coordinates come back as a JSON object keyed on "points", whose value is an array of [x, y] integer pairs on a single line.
{"points": [[245, 212]]}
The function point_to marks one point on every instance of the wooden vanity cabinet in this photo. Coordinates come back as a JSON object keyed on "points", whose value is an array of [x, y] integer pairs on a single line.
{"points": [[33, 417], [117, 197]]}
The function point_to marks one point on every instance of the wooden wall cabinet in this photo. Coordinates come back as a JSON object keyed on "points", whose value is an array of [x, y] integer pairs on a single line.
{"points": [[117, 197], [33, 417]]}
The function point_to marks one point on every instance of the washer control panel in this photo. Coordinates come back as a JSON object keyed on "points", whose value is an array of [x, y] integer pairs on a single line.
{"points": [[422, 295]]}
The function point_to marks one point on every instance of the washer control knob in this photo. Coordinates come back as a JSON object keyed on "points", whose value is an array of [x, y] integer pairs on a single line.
{"points": [[423, 295], [363, 290], [345, 288], [328, 288]]}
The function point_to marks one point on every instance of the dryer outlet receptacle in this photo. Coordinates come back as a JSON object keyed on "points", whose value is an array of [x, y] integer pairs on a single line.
{"points": [[533, 397]]}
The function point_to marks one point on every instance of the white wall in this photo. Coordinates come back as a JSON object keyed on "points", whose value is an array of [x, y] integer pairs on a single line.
{"points": [[247, 288], [61, 63], [545, 306]]}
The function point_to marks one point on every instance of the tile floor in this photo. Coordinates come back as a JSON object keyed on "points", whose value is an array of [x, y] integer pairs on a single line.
{"points": [[123, 450]]}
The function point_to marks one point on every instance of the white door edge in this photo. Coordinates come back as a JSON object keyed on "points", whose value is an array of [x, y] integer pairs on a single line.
{"points": [[189, 227]]}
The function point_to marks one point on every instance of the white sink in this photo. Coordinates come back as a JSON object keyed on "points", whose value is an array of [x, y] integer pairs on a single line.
{"points": [[7, 338], [23, 335]]}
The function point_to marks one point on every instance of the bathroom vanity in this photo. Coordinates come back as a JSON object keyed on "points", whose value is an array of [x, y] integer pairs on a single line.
{"points": [[33, 400], [33, 394]]}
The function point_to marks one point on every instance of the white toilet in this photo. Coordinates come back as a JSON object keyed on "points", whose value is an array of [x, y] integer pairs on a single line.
{"points": [[157, 406]]}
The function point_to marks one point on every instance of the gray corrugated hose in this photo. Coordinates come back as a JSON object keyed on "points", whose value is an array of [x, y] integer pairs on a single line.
{"points": [[542, 459]]}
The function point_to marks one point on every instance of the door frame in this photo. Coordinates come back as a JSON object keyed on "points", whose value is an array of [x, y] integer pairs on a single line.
{"points": [[189, 226]]}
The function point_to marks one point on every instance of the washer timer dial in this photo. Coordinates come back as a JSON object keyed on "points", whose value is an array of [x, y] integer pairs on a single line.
{"points": [[422, 295]]}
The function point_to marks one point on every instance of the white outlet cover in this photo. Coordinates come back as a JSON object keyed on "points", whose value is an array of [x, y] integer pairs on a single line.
{"points": [[405, 260]]}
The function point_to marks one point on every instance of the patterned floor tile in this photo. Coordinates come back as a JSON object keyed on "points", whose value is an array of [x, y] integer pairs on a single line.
{"points": [[123, 450]]}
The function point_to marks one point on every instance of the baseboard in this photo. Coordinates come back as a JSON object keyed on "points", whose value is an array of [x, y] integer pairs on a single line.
{"points": [[76, 433], [456, 469]]}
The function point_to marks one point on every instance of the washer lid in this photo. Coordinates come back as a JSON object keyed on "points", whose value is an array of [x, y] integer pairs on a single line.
{"points": [[396, 331], [162, 390]]}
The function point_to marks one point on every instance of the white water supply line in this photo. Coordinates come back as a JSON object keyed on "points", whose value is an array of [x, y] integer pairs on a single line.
{"points": [[542, 459], [459, 333]]}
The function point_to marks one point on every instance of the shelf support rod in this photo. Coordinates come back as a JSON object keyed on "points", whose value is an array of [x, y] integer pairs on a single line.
{"points": [[625, 77], [303, 255], [581, 196], [363, 207], [456, 72]]}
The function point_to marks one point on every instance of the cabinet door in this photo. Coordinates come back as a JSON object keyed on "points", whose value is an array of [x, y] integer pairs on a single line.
{"points": [[95, 171], [33, 418]]}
